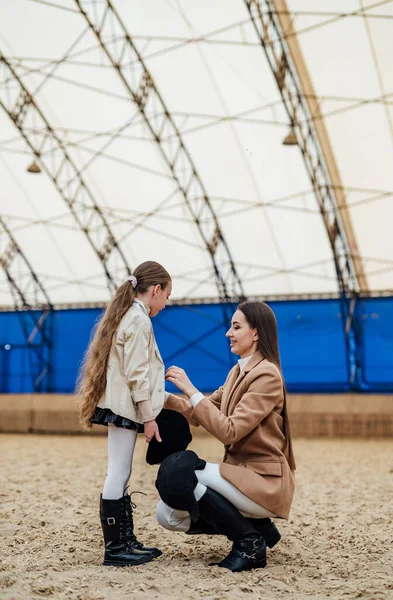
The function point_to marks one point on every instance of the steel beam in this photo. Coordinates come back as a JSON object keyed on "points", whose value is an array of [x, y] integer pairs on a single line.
{"points": [[33, 307], [55, 160], [214, 300], [125, 58], [274, 27]]}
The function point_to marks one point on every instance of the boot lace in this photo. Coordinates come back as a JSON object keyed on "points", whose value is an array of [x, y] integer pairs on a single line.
{"points": [[129, 507]]}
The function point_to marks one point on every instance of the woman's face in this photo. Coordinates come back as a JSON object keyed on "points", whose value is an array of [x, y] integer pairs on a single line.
{"points": [[242, 338]]}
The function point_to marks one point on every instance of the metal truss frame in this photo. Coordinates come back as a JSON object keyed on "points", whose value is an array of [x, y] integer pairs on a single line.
{"points": [[274, 27], [35, 317], [215, 300], [127, 61], [53, 157]]}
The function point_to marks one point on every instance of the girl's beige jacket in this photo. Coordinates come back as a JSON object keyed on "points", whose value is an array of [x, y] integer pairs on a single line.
{"points": [[135, 368], [245, 415]]}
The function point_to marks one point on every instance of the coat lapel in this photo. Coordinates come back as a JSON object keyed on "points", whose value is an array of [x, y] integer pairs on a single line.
{"points": [[237, 378], [233, 376]]}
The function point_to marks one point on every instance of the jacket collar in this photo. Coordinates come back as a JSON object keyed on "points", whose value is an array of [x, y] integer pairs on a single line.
{"points": [[146, 309], [236, 377], [256, 358]]}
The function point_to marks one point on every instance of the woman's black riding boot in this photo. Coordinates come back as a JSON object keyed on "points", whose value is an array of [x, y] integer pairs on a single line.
{"points": [[201, 527], [249, 548], [130, 529], [268, 531], [119, 550]]}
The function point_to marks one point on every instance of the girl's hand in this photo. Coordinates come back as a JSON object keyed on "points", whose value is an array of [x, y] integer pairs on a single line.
{"points": [[151, 431], [180, 379]]}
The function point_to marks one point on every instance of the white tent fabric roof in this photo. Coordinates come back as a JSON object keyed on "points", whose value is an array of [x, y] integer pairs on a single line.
{"points": [[211, 71]]}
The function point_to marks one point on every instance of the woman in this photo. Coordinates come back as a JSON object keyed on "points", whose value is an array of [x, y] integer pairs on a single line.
{"points": [[248, 414], [122, 387]]}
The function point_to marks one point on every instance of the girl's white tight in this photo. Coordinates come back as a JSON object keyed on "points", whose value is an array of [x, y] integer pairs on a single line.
{"points": [[121, 445]]}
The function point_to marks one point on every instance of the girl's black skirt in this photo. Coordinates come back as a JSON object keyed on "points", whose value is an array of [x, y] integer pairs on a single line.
{"points": [[104, 416]]}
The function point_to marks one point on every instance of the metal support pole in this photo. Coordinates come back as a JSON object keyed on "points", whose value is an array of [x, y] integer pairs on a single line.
{"points": [[274, 27]]}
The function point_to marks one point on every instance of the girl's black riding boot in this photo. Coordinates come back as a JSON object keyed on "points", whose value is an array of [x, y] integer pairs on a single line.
{"points": [[249, 548], [130, 529], [119, 550], [268, 531]]}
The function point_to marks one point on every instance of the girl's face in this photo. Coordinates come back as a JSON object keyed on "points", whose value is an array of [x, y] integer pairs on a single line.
{"points": [[242, 338], [159, 298]]}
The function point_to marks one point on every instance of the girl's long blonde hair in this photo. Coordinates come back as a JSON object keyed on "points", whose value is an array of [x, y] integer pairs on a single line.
{"points": [[91, 382]]}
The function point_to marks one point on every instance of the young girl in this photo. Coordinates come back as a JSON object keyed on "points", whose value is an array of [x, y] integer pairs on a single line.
{"points": [[122, 386]]}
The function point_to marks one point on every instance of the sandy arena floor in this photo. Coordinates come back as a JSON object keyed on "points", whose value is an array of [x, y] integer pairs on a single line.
{"points": [[337, 544]]}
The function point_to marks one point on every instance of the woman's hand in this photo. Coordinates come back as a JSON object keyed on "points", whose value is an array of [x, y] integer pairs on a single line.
{"points": [[180, 379], [151, 431]]}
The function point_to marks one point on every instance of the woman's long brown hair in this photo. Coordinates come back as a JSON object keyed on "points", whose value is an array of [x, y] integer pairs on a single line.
{"points": [[92, 378], [261, 317]]}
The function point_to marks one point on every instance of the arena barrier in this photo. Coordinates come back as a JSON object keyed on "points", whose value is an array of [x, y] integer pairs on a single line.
{"points": [[328, 415]]}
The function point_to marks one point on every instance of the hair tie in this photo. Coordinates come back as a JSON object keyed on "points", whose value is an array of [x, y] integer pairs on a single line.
{"points": [[133, 280]]}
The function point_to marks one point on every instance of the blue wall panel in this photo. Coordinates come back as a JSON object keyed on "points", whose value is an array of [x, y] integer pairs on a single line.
{"points": [[72, 332], [312, 345], [378, 343], [193, 337], [15, 372]]}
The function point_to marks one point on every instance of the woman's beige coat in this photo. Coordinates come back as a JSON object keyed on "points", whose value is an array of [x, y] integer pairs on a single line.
{"points": [[245, 415], [135, 368]]}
